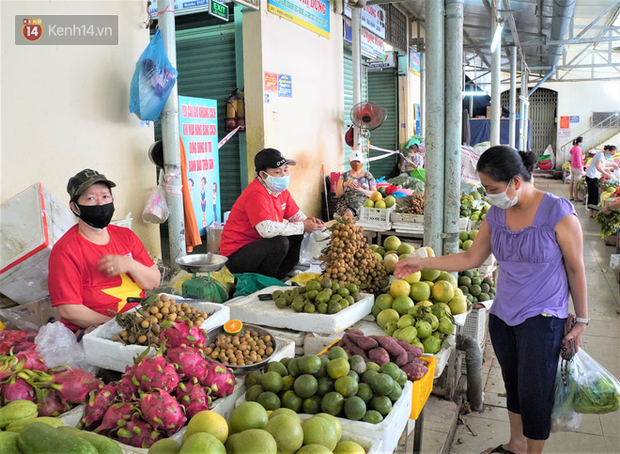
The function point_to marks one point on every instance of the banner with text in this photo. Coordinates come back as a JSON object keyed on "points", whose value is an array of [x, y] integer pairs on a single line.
{"points": [[373, 19], [310, 14], [372, 46], [198, 127], [414, 62]]}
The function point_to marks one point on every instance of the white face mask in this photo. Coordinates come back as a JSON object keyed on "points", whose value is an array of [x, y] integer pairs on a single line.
{"points": [[501, 200]]}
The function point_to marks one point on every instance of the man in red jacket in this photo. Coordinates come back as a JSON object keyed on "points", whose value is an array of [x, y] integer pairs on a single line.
{"points": [[265, 227]]}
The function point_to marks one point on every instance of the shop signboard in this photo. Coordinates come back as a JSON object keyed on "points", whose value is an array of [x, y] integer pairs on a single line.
{"points": [[218, 10], [285, 86], [574, 118], [372, 46], [373, 19], [310, 14], [183, 6], [198, 128], [414, 62]]}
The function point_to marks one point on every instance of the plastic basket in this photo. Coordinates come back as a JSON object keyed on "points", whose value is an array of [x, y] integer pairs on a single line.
{"points": [[376, 217], [476, 325], [407, 217], [422, 388]]}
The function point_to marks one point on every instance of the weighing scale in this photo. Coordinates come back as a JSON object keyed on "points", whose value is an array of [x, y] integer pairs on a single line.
{"points": [[203, 288]]}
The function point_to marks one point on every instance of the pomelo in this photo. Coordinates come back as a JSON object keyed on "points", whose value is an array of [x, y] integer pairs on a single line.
{"points": [[442, 291], [386, 316], [420, 291], [389, 261], [405, 248], [445, 276], [400, 287], [380, 204], [384, 301], [430, 275], [320, 430], [390, 201], [251, 441], [413, 277], [391, 243], [458, 305], [369, 203], [203, 442], [248, 415], [209, 422], [402, 304], [376, 196], [463, 236], [287, 432], [472, 234], [467, 244]]}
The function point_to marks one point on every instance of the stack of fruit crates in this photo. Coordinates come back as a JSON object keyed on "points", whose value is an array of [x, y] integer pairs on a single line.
{"points": [[375, 218]]}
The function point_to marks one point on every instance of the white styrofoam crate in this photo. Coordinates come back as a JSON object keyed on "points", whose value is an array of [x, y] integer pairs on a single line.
{"points": [[406, 218], [476, 325], [30, 223], [265, 313], [100, 350]]}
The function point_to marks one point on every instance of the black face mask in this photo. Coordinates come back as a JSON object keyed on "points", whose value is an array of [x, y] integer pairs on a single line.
{"points": [[97, 216]]}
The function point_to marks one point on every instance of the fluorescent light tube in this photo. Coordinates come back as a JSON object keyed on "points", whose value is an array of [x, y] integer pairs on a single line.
{"points": [[497, 36]]}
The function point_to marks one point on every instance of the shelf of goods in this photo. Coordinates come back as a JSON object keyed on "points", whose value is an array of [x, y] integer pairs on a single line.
{"points": [[101, 351], [251, 309], [414, 223], [384, 436]]}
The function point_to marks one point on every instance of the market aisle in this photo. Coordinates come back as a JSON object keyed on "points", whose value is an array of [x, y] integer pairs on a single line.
{"points": [[597, 434]]}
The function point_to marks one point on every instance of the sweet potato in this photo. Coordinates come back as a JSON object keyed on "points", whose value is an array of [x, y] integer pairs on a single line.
{"points": [[410, 348], [379, 355], [366, 343], [415, 370], [391, 346], [412, 356], [353, 349], [356, 332], [402, 359]]}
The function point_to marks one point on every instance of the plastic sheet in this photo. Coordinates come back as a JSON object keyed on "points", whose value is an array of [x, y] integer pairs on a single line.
{"points": [[312, 245], [58, 346]]}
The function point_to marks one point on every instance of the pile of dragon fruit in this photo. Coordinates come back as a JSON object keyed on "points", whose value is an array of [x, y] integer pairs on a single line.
{"points": [[156, 396], [153, 399]]}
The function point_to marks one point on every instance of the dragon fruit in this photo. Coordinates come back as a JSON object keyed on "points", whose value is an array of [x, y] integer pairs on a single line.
{"points": [[193, 398], [162, 410], [73, 385], [128, 384], [116, 416], [220, 379], [30, 360], [17, 389], [156, 373], [184, 332], [138, 433], [98, 402], [188, 362], [49, 402]]}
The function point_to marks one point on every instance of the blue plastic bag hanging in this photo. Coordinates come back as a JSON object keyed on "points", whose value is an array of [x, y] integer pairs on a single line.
{"points": [[152, 81]]}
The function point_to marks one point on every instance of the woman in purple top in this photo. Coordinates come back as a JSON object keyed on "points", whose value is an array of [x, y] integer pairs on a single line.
{"points": [[538, 243]]}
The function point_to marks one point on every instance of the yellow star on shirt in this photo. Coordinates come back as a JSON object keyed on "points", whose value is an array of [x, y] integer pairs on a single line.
{"points": [[128, 288]]}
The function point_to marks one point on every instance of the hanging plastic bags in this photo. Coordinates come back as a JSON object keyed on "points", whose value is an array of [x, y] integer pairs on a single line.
{"points": [[152, 81], [598, 391], [156, 210], [564, 418]]}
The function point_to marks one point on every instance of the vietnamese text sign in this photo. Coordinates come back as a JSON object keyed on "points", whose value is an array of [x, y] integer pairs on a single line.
{"points": [[65, 29], [198, 127], [574, 118], [271, 82], [183, 6], [373, 19], [564, 121], [564, 132], [372, 46], [414, 62], [310, 14], [285, 86]]}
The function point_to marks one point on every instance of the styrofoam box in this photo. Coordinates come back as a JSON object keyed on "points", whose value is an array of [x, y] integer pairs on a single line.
{"points": [[102, 351], [388, 431], [30, 223], [265, 313]]}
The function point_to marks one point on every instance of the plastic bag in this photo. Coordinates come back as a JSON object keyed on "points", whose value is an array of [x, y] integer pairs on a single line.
{"points": [[156, 210], [598, 391], [312, 245], [563, 416], [248, 283], [58, 346], [152, 81]]}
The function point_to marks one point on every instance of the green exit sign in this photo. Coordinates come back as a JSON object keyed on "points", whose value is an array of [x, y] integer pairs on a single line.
{"points": [[218, 10]]}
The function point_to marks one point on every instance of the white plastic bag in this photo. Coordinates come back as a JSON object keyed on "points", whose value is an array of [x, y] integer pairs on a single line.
{"points": [[156, 210], [312, 245], [58, 346]]}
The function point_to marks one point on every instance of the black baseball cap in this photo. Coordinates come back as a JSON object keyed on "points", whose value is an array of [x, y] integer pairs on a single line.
{"points": [[81, 181], [270, 158]]}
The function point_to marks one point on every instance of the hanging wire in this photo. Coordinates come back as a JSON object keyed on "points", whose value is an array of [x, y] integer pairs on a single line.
{"points": [[149, 21]]}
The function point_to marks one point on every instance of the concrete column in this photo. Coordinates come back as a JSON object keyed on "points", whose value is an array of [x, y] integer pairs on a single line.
{"points": [[453, 124], [356, 59], [513, 95], [170, 139], [422, 132], [496, 105], [523, 110], [435, 128]]}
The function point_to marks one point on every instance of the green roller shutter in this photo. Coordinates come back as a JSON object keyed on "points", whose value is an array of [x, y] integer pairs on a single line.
{"points": [[348, 96], [383, 91], [207, 69]]}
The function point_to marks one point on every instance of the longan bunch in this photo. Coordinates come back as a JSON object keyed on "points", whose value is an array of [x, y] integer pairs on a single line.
{"points": [[348, 259], [142, 327], [413, 204], [241, 349]]}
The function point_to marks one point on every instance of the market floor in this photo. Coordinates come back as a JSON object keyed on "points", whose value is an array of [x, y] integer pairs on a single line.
{"points": [[597, 434]]}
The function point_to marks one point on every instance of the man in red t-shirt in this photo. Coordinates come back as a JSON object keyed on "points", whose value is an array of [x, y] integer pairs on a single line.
{"points": [[95, 266], [265, 227]]}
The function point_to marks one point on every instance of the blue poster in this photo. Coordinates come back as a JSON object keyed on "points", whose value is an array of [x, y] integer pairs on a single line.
{"points": [[285, 86], [198, 128], [414, 62]]}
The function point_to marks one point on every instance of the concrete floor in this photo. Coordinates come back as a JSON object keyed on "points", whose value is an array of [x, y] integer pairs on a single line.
{"points": [[478, 431]]}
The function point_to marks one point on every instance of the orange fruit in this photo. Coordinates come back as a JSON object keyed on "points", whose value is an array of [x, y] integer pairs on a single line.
{"points": [[233, 326]]}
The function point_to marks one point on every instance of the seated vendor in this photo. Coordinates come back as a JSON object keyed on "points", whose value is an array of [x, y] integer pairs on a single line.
{"points": [[413, 157], [95, 266], [265, 227], [354, 186]]}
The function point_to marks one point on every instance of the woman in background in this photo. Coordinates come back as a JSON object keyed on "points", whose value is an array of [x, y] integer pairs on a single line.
{"points": [[598, 166], [576, 167], [354, 187]]}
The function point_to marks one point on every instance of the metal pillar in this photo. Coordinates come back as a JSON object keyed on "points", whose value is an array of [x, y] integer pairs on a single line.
{"points": [[513, 96], [453, 124], [523, 145], [496, 105], [356, 60], [435, 129], [170, 140]]}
